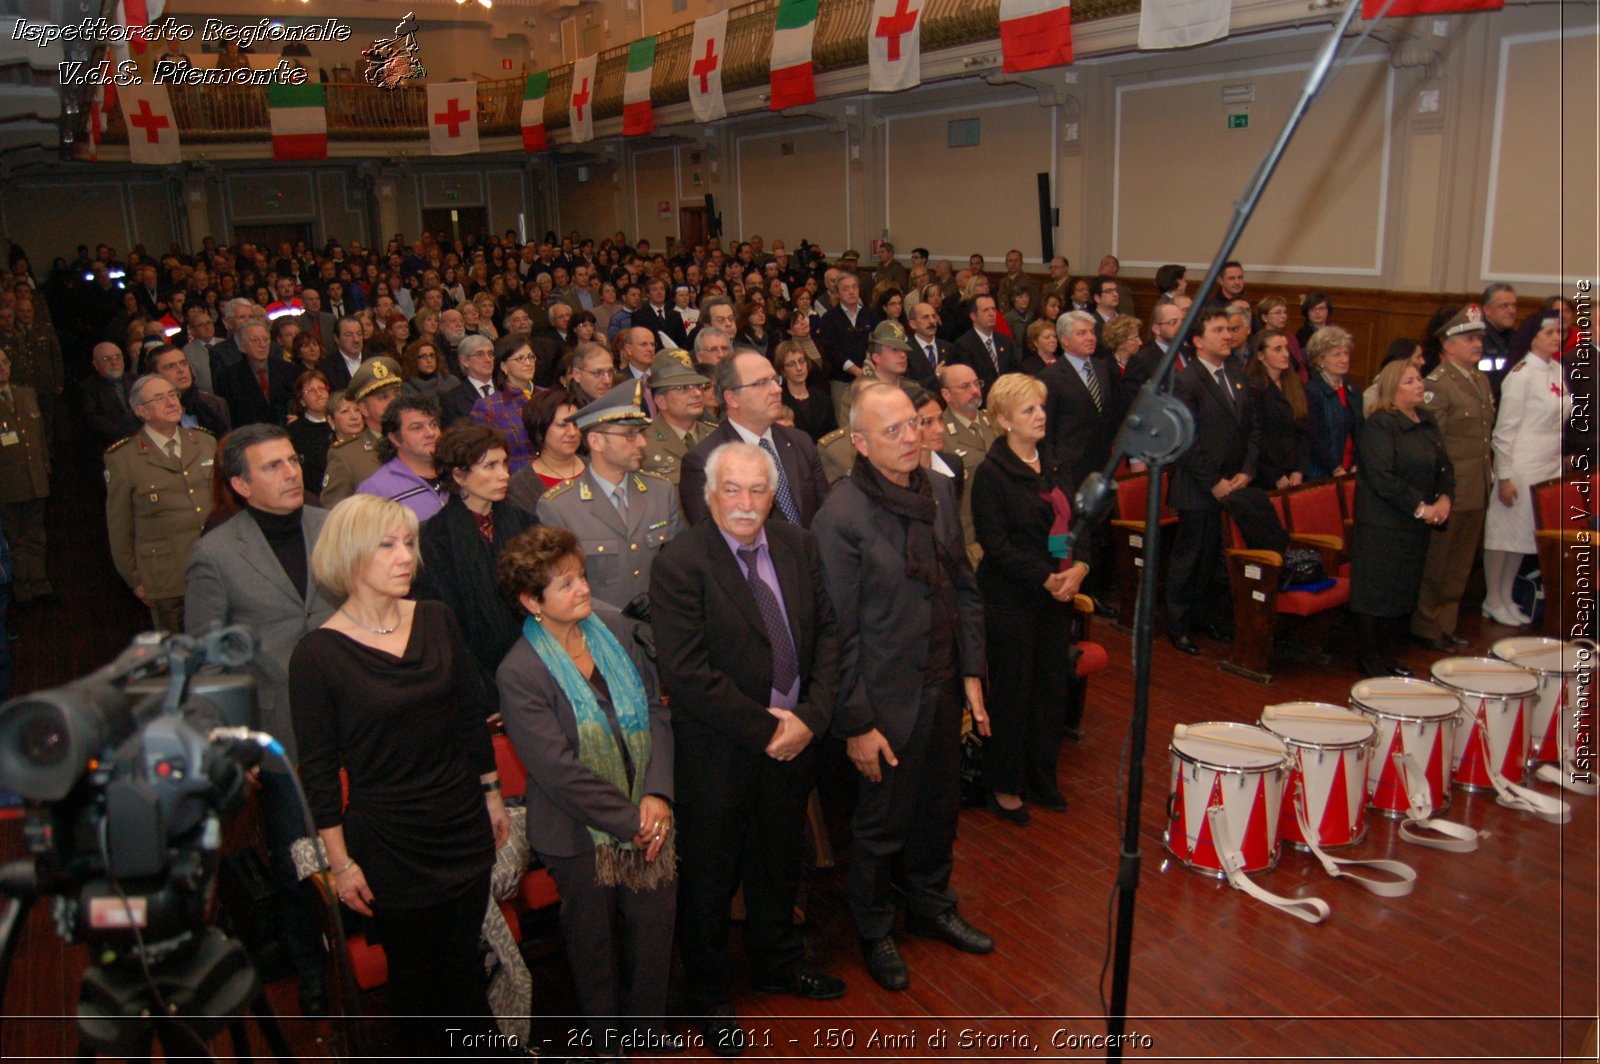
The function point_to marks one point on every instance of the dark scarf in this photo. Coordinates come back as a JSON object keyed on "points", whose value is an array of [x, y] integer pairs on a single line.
{"points": [[914, 503]]}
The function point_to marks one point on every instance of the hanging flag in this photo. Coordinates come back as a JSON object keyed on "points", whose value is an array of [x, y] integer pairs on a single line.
{"points": [[637, 116], [135, 13], [152, 133], [1407, 8], [793, 82], [533, 91], [1035, 34], [453, 117], [705, 67], [299, 121], [97, 101], [1181, 23], [580, 112], [894, 45]]}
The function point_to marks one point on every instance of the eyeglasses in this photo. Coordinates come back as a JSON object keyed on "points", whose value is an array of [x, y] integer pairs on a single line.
{"points": [[160, 398], [623, 434], [764, 382], [526, 356], [671, 388], [894, 432], [603, 371]]}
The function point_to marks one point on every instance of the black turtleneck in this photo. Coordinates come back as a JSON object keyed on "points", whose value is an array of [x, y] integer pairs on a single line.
{"points": [[287, 538]]}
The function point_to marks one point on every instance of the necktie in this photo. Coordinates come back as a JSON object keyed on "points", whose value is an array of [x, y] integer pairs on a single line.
{"points": [[488, 390], [1222, 382], [1092, 382], [933, 355], [172, 448], [261, 379], [786, 503], [785, 663], [994, 355], [620, 497]]}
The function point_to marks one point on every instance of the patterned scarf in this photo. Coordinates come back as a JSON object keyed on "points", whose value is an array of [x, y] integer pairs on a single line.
{"points": [[617, 861]]}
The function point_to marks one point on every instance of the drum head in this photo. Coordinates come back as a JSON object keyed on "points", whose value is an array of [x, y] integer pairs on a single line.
{"points": [[1485, 677], [1543, 655], [1317, 724], [1224, 744], [1402, 699]]}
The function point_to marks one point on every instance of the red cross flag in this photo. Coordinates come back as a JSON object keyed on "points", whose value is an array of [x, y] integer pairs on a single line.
{"points": [[894, 45], [152, 133], [453, 118], [580, 111], [705, 67]]}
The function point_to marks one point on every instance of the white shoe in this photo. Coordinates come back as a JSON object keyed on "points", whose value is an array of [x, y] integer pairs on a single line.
{"points": [[1509, 616]]}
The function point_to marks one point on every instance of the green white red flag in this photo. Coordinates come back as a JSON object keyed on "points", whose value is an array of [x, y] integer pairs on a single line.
{"points": [[299, 116], [1035, 34], [638, 118], [793, 75], [533, 93]]}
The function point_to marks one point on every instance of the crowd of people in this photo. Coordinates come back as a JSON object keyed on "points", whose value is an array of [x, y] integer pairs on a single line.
{"points": [[818, 507]]}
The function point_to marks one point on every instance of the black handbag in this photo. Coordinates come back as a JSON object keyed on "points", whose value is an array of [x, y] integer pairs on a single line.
{"points": [[1301, 565]]}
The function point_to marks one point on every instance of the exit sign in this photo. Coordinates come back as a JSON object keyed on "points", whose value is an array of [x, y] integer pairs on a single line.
{"points": [[1239, 121], [452, 195]]}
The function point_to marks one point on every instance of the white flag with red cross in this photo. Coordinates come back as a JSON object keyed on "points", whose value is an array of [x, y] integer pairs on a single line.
{"points": [[453, 118], [580, 110], [894, 45], [705, 67], [152, 131]]}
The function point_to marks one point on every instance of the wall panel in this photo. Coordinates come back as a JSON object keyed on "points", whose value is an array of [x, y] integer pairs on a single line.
{"points": [[792, 185]]}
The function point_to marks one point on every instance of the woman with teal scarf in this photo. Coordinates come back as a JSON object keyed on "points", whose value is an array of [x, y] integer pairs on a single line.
{"points": [[582, 707]]}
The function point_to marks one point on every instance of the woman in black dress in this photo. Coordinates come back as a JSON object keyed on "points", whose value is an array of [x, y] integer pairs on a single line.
{"points": [[462, 542], [1279, 403], [1021, 509], [387, 691], [1404, 481], [805, 390], [311, 429]]}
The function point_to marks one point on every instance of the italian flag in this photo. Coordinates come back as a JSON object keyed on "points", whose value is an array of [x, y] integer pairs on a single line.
{"points": [[637, 116], [792, 72], [533, 91], [1035, 34], [1408, 8], [299, 121]]}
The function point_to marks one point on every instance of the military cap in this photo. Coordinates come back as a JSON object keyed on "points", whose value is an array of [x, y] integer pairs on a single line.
{"points": [[672, 367], [890, 333], [375, 374], [1467, 320], [622, 405]]}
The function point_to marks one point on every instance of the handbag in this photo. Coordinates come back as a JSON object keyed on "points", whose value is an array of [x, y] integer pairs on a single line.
{"points": [[1301, 566]]}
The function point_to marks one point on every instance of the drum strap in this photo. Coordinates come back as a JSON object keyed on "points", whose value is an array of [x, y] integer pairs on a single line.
{"points": [[1567, 774], [1512, 795], [1405, 880], [1443, 834], [1311, 910]]}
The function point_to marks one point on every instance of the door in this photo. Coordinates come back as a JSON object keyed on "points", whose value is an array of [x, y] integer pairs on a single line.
{"points": [[692, 225], [270, 236], [458, 222]]}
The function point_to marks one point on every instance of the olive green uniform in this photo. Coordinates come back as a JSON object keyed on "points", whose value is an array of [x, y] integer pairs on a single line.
{"points": [[156, 508], [1463, 405]]}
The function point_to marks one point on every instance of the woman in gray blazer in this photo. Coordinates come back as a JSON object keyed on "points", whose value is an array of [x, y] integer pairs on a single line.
{"points": [[582, 706]]}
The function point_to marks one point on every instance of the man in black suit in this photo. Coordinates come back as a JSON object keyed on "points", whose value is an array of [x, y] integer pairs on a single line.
{"points": [[340, 363], [105, 397], [989, 353], [1080, 423], [928, 351], [258, 389], [911, 647], [1164, 323], [656, 315], [745, 636], [477, 368], [751, 400], [1222, 460], [841, 336]]}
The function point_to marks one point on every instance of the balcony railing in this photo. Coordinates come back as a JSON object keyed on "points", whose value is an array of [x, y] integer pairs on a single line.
{"points": [[237, 113]]}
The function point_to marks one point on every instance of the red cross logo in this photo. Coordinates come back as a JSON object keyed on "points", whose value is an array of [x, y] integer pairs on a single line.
{"points": [[150, 122], [895, 26], [581, 98], [706, 65], [1555, 388], [454, 116]]}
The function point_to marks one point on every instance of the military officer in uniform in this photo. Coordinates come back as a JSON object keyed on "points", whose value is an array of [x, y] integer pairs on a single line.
{"points": [[36, 360], [837, 452], [681, 399], [375, 385], [158, 496], [24, 484], [968, 436], [621, 514], [1459, 398]]}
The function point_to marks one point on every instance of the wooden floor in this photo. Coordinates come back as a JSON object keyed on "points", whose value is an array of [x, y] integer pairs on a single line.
{"points": [[1492, 957]]}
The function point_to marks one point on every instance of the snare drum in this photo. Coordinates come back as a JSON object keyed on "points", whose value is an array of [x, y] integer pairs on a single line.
{"points": [[1330, 748], [1239, 767], [1416, 718], [1563, 669], [1497, 697]]}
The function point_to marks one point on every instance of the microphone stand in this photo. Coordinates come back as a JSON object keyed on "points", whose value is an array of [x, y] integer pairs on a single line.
{"points": [[1157, 431]]}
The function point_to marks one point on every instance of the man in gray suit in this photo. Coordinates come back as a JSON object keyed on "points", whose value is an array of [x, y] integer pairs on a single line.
{"points": [[255, 570]]}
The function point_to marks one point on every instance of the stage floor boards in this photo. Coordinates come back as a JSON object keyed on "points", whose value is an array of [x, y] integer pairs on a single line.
{"points": [[1492, 957]]}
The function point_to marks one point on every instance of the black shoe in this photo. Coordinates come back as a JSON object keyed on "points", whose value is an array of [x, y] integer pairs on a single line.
{"points": [[1394, 668], [724, 1036], [1372, 665], [1073, 734], [1455, 640], [1186, 644], [1105, 609], [1018, 816], [1218, 632], [313, 995], [948, 927], [885, 964], [1054, 800], [1441, 645], [805, 983]]}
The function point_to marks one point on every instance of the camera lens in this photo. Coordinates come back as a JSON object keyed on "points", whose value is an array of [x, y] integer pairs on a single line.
{"points": [[43, 739]]}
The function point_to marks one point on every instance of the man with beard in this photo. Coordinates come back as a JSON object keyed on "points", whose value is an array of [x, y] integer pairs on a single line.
{"points": [[200, 408], [105, 397]]}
